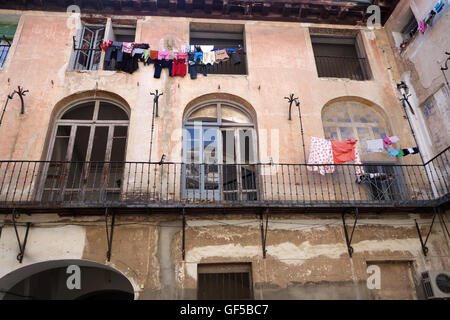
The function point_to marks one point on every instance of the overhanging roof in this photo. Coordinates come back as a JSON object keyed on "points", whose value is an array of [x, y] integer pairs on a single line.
{"points": [[346, 12]]}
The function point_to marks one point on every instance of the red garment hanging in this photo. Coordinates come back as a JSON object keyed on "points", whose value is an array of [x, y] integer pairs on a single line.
{"points": [[343, 151]]}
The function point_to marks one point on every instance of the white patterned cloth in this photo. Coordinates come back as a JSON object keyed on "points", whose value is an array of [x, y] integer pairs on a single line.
{"points": [[321, 152]]}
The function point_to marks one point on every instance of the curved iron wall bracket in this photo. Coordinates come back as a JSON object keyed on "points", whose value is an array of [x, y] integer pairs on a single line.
{"points": [[264, 230], [21, 94], [22, 245], [109, 232], [424, 243], [183, 240], [348, 239]]}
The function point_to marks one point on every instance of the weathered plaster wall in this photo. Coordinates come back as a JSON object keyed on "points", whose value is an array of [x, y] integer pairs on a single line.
{"points": [[307, 256]]}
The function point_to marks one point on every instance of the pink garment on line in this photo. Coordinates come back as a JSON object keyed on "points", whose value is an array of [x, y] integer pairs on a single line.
{"points": [[422, 26], [127, 47], [163, 55], [181, 55]]}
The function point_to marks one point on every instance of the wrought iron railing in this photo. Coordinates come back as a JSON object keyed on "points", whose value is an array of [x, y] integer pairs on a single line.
{"points": [[4, 50], [83, 184], [342, 67]]}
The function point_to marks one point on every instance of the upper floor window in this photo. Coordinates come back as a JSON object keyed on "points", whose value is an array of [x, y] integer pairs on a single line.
{"points": [[219, 149], [86, 152], [8, 26], [221, 36], [340, 57], [88, 47], [119, 32]]}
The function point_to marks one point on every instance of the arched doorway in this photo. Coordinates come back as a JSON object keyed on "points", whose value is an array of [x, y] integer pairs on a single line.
{"points": [[219, 152], [86, 152], [49, 281]]}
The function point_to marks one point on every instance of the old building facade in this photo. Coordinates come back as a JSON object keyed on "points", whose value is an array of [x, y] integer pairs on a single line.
{"points": [[212, 195]]}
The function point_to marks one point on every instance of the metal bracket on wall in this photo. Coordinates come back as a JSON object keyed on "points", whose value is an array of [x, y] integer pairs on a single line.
{"points": [[264, 230], [109, 232], [23, 245], [424, 243], [348, 239], [291, 99], [445, 68], [21, 93], [183, 240]]}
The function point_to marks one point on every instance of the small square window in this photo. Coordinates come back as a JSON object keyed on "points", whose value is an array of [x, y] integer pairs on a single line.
{"points": [[231, 281]]}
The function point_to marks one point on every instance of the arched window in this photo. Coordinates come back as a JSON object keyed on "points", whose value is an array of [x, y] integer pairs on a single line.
{"points": [[353, 119], [219, 150], [87, 151]]}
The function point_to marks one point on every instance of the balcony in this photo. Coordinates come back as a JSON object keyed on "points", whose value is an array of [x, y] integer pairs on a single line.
{"points": [[40, 185]]}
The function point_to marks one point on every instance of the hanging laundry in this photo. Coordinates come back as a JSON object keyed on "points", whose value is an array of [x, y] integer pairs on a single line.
{"points": [[198, 56], [106, 44], [376, 145], [394, 139], [429, 19], [422, 26], [159, 65], [410, 151], [127, 47], [235, 58], [153, 55], [438, 7], [181, 55], [137, 51], [343, 151], [179, 67], [221, 55], [146, 57], [114, 56], [163, 55], [320, 152], [393, 152], [400, 154], [209, 58]]}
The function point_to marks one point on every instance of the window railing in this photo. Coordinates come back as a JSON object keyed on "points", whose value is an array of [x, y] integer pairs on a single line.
{"points": [[52, 184], [227, 67], [342, 67], [4, 50]]}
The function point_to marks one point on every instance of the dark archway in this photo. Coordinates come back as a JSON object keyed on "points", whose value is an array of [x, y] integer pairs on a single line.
{"points": [[48, 281]]}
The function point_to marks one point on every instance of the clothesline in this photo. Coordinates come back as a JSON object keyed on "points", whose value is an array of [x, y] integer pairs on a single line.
{"points": [[124, 56]]}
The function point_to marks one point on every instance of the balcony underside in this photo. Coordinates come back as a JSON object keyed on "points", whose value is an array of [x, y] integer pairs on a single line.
{"points": [[254, 207], [311, 11]]}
